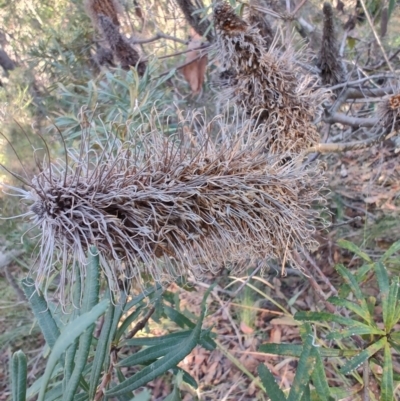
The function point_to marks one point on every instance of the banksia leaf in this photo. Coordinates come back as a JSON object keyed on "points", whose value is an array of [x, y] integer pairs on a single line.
{"points": [[119, 45], [329, 61], [161, 206], [266, 83]]}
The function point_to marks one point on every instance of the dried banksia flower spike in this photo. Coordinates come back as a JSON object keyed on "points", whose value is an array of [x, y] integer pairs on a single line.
{"points": [[166, 207], [257, 19], [108, 8], [119, 45], [329, 60], [388, 112], [267, 83]]}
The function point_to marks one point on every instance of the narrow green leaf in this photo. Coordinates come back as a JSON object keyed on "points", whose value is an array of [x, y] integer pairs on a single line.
{"points": [[72, 331], [55, 393], [147, 355], [395, 247], [387, 388], [81, 397], [307, 393], [295, 350], [101, 350], [121, 378], [167, 362], [324, 317], [128, 321], [206, 340], [354, 331], [354, 248], [177, 317], [90, 299], [318, 376], [358, 360], [392, 3], [304, 369], [167, 339], [395, 336], [390, 318], [92, 281], [42, 312], [344, 303], [139, 298], [145, 395], [18, 376], [70, 354], [352, 282], [187, 378], [272, 389], [383, 282], [34, 389], [175, 395]]}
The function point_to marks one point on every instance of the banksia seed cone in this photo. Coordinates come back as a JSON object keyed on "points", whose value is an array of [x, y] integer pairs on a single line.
{"points": [[269, 86], [389, 112], [168, 208], [104, 57], [329, 60], [119, 45], [109, 8]]}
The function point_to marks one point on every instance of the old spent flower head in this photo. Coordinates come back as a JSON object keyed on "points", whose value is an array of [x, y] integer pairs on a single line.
{"points": [[169, 207], [267, 82], [329, 60], [388, 111]]}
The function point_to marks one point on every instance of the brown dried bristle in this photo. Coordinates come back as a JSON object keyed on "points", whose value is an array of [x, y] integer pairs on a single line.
{"points": [[109, 8], [267, 84], [389, 112], [329, 60], [161, 206], [119, 45]]}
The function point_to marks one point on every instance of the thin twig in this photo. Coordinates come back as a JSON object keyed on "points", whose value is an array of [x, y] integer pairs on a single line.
{"points": [[159, 35], [343, 147], [365, 396], [361, 80], [320, 272], [314, 284], [179, 67], [141, 323], [376, 35], [356, 122], [205, 45]]}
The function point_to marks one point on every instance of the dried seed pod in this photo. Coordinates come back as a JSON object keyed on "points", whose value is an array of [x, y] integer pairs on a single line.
{"points": [[164, 207], [119, 45], [267, 84], [389, 112], [329, 60]]}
